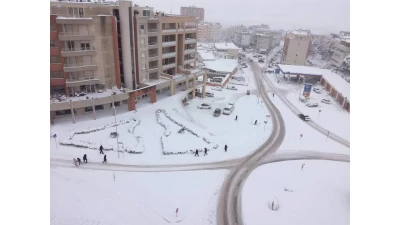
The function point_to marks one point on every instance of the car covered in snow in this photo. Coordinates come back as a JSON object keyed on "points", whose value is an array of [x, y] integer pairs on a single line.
{"points": [[317, 90], [231, 103], [217, 112], [217, 88], [304, 117], [228, 109], [231, 87], [326, 101], [244, 66], [209, 94], [204, 106], [311, 104]]}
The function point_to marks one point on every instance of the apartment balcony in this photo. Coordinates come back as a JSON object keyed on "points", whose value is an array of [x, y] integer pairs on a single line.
{"points": [[190, 51], [152, 45], [153, 57], [188, 61], [82, 81], [169, 43], [169, 55], [152, 32], [73, 36], [191, 30], [181, 30], [190, 40], [57, 81], [74, 19], [169, 66], [169, 31], [79, 67], [67, 52]]}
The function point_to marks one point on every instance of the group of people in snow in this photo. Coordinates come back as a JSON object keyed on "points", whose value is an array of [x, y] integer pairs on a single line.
{"points": [[196, 153], [77, 161]]}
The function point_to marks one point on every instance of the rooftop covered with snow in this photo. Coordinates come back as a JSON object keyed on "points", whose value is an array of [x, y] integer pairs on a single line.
{"points": [[222, 65], [300, 70], [226, 45], [206, 55]]}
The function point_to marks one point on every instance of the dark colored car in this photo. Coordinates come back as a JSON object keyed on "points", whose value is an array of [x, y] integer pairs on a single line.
{"points": [[217, 112], [304, 117]]}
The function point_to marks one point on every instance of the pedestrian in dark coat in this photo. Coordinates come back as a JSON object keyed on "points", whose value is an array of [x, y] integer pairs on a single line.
{"points": [[79, 161], [255, 123], [197, 152], [84, 158], [101, 149], [205, 151], [236, 117], [226, 147], [105, 159], [273, 95]]}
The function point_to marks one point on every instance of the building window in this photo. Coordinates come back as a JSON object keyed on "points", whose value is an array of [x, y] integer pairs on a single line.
{"points": [[142, 27], [53, 43], [76, 12], [55, 59], [56, 74], [85, 46], [142, 41]]}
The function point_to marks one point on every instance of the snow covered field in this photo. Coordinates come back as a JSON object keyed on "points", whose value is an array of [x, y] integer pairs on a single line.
{"points": [[157, 145], [318, 194], [85, 197]]}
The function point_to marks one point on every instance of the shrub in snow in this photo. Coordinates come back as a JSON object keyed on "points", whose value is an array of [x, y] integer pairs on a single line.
{"points": [[167, 130], [95, 146], [273, 204], [91, 130], [134, 125], [288, 189], [114, 134], [181, 131]]}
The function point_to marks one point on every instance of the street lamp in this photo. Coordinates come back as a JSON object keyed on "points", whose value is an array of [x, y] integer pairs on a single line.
{"points": [[265, 122], [116, 128]]}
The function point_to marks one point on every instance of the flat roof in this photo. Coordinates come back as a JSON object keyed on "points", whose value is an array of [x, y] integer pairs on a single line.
{"points": [[206, 56], [222, 65], [226, 45], [341, 85]]}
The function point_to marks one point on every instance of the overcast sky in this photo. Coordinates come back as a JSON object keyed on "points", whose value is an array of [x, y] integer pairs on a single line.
{"points": [[321, 16]]}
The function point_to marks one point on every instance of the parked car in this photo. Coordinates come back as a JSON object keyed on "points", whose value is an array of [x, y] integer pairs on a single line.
{"points": [[231, 103], [304, 117], [217, 112], [231, 87], [317, 90], [312, 104], [204, 106], [251, 60], [209, 94], [217, 79], [326, 101], [255, 56], [244, 66], [216, 88], [303, 99], [261, 60], [228, 109]]}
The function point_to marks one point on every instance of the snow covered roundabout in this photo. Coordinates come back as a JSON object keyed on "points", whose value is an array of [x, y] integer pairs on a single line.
{"points": [[303, 192]]}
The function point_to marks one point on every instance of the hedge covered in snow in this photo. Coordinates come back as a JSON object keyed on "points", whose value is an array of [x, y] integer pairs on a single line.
{"points": [[95, 146]]}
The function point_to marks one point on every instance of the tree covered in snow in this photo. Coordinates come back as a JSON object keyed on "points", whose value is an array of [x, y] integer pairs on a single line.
{"points": [[346, 64]]}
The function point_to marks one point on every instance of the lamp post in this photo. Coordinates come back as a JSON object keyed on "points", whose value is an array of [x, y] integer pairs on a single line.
{"points": [[116, 127]]}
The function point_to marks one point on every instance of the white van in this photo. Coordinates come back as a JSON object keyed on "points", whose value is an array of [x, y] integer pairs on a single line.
{"points": [[228, 110]]}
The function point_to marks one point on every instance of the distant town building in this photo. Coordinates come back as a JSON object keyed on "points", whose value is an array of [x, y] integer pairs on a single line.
{"points": [[342, 50], [266, 41], [193, 11], [297, 47], [228, 34], [208, 32], [242, 38], [227, 50]]}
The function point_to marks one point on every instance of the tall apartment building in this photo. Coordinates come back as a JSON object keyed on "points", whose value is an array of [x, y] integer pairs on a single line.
{"points": [[297, 47], [265, 41], [342, 49], [242, 38], [101, 45], [208, 32], [193, 11]]}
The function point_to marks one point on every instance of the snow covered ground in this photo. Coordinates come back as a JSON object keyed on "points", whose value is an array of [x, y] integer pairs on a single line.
{"points": [[85, 197], [318, 194], [312, 140], [242, 137]]}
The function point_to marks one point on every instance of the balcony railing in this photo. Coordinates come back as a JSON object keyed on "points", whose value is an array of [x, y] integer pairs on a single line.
{"points": [[190, 40], [168, 55], [73, 34], [78, 49], [188, 61], [152, 69], [80, 79], [79, 65], [170, 65], [191, 29], [188, 51], [169, 30], [168, 43], [69, 16], [152, 30], [153, 55], [153, 43]]}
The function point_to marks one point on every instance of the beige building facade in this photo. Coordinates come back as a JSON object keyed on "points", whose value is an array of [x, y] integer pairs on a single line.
{"points": [[297, 47]]}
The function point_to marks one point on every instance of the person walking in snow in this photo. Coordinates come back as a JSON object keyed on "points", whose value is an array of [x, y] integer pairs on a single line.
{"points": [[84, 158], [273, 95], [236, 117], [226, 148], [255, 123], [205, 151], [302, 166], [79, 161], [197, 152], [105, 159], [101, 149], [75, 161]]}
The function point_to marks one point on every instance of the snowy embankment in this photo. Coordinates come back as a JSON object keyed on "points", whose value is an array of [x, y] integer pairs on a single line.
{"points": [[85, 197], [92, 138], [179, 139], [317, 194]]}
